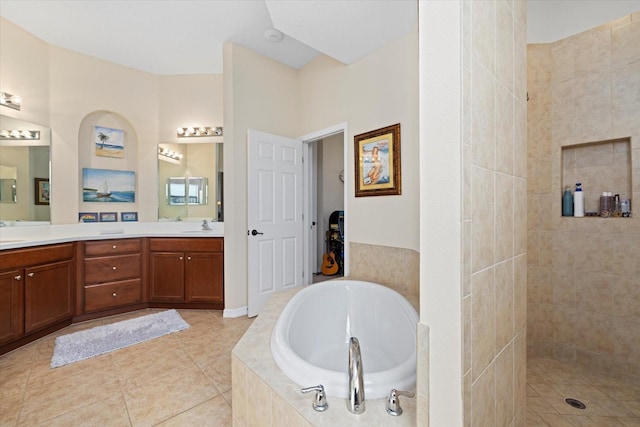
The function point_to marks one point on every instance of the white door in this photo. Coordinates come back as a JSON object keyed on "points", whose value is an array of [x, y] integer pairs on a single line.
{"points": [[275, 203]]}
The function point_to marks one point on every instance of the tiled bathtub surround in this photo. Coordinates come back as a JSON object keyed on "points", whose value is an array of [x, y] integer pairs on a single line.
{"points": [[264, 396], [584, 273], [396, 268]]}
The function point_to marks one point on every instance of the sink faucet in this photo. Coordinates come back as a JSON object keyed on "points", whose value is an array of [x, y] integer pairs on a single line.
{"points": [[205, 225], [355, 403], [2, 224]]}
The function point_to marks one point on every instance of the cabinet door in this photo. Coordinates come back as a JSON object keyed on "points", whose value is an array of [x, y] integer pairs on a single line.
{"points": [[166, 271], [48, 295], [204, 277], [11, 305]]}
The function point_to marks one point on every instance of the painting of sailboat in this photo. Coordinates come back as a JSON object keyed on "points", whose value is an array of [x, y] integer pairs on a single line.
{"points": [[104, 185]]}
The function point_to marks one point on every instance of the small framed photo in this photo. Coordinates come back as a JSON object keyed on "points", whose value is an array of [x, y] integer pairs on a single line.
{"points": [[377, 162], [88, 217], [108, 217], [128, 216], [42, 191]]}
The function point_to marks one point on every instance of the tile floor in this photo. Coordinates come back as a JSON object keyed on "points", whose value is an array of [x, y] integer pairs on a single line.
{"points": [[184, 379], [181, 379], [609, 402]]}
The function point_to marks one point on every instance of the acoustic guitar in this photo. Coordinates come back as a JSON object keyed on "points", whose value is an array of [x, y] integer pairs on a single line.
{"points": [[329, 264]]}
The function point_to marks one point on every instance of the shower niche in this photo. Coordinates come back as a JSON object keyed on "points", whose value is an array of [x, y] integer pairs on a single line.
{"points": [[601, 167]]}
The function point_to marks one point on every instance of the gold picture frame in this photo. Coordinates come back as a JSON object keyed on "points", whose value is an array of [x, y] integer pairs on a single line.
{"points": [[377, 162]]}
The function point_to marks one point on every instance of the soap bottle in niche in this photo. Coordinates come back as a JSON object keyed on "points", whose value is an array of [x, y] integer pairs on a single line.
{"points": [[578, 201], [567, 202]]}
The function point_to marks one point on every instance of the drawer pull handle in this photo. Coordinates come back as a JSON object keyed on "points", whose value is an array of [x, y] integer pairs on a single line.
{"points": [[30, 274], [115, 246], [115, 295], [114, 267], [18, 277]]}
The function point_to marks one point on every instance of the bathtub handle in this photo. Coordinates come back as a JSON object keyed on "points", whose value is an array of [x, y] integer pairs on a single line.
{"points": [[320, 402], [393, 404]]}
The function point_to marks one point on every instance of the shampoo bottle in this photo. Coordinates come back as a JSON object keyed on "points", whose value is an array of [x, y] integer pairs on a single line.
{"points": [[578, 201], [567, 202]]}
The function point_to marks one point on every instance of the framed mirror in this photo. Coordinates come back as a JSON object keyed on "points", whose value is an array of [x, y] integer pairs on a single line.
{"points": [[25, 161], [189, 181]]}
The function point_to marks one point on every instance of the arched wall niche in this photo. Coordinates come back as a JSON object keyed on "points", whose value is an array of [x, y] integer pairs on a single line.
{"points": [[88, 157]]}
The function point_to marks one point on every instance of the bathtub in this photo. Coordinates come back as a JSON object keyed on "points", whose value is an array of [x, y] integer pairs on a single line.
{"points": [[310, 339]]}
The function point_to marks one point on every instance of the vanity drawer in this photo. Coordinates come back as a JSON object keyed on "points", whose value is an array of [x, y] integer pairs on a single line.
{"points": [[108, 295], [112, 247], [112, 268]]}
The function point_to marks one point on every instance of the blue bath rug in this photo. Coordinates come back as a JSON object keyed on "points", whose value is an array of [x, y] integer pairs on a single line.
{"points": [[104, 339]]}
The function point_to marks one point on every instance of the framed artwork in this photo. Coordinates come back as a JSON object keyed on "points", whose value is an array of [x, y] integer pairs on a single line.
{"points": [[109, 142], [128, 216], [377, 162], [108, 217], [42, 193], [107, 186], [88, 217]]}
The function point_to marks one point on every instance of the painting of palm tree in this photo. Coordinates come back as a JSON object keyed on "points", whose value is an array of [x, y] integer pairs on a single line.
{"points": [[109, 142]]}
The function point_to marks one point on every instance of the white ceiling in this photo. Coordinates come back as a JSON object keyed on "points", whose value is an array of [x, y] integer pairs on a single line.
{"points": [[186, 37]]}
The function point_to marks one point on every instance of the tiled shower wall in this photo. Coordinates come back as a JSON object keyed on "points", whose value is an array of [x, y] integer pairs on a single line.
{"points": [[584, 273], [494, 213]]}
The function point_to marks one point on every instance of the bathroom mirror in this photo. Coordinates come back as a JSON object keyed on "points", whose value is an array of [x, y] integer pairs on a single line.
{"points": [[189, 181], [8, 180], [24, 161]]}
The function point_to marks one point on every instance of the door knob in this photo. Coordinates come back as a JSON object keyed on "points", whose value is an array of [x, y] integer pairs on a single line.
{"points": [[255, 232]]}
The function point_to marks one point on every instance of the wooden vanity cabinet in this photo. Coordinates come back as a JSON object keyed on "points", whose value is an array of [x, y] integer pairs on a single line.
{"points": [[36, 290], [112, 274], [187, 270]]}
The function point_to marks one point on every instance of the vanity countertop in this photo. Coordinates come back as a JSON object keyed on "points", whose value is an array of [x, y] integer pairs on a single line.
{"points": [[22, 237]]}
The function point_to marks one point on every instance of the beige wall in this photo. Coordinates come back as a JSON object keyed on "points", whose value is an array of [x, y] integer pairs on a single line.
{"points": [[584, 274], [267, 96], [377, 91]]}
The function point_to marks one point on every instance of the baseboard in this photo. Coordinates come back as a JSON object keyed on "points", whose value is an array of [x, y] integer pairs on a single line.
{"points": [[235, 312]]}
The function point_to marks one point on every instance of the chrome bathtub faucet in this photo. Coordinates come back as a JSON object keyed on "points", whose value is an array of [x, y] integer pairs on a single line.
{"points": [[320, 403], [393, 403], [355, 402]]}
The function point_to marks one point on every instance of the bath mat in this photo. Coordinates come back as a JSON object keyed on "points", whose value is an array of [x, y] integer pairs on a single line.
{"points": [[104, 339]]}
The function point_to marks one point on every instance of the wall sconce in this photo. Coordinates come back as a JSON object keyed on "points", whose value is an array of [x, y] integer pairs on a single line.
{"points": [[11, 101], [169, 153], [19, 134], [194, 131]]}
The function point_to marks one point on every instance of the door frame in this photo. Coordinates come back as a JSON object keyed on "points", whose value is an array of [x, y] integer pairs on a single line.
{"points": [[310, 195]]}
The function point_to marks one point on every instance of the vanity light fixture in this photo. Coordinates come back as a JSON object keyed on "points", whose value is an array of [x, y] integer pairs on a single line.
{"points": [[11, 101], [6, 134], [194, 131], [169, 153]]}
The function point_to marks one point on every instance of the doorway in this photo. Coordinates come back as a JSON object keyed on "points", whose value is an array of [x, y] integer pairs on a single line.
{"points": [[325, 173]]}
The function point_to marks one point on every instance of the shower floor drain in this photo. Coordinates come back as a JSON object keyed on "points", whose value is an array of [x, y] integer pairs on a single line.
{"points": [[575, 403]]}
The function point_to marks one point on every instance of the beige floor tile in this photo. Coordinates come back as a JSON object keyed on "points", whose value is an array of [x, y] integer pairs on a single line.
{"points": [[13, 379], [213, 412], [534, 420], [163, 398], [540, 405], [105, 413], [629, 422], [141, 367], [47, 401], [581, 421], [42, 373], [556, 420], [219, 371], [606, 422], [10, 410]]}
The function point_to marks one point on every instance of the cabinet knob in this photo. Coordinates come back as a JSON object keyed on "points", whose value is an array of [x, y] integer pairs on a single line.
{"points": [[189, 258], [181, 258], [115, 246], [115, 295], [114, 267], [30, 274], [18, 277]]}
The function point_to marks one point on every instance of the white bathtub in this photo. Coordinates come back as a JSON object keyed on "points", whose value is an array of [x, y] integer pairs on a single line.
{"points": [[310, 339]]}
